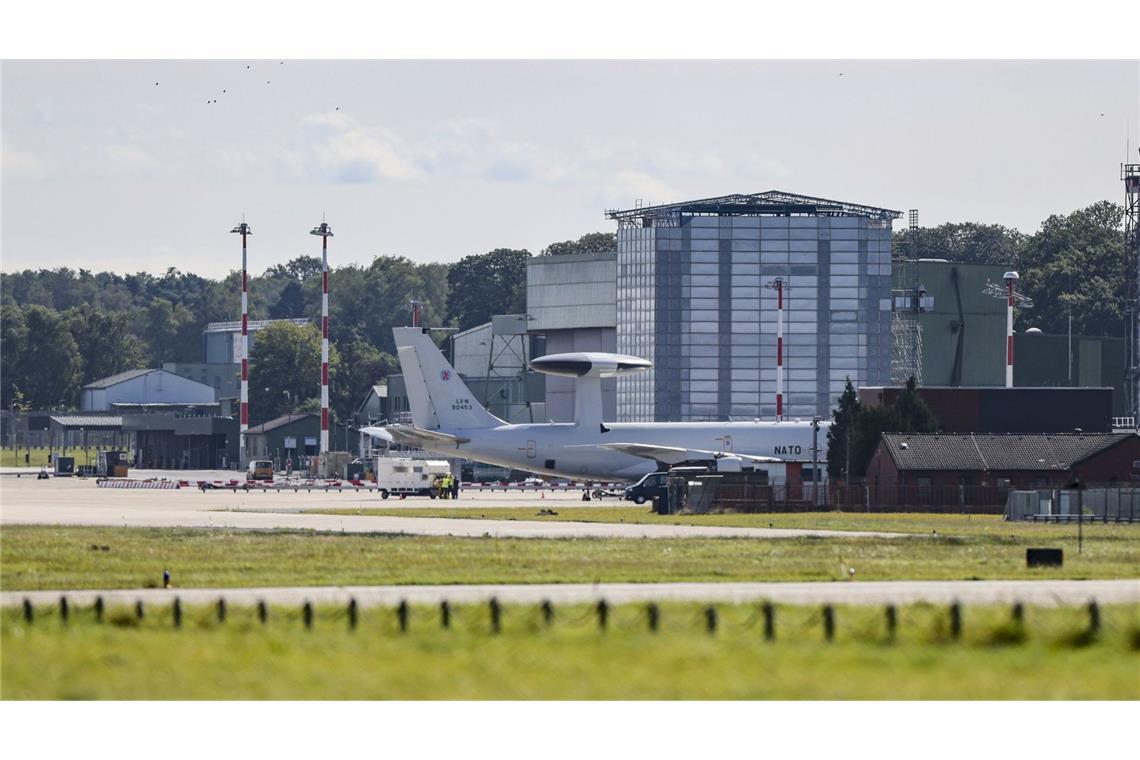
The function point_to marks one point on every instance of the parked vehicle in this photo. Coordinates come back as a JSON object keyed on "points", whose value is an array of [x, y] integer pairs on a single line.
{"points": [[409, 477], [260, 469], [649, 487]]}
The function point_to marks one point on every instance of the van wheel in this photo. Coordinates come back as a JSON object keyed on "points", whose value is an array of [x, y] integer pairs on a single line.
{"points": [[431, 495], [638, 499], [383, 494]]}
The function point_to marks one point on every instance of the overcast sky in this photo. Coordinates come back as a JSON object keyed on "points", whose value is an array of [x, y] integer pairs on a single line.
{"points": [[132, 166]]}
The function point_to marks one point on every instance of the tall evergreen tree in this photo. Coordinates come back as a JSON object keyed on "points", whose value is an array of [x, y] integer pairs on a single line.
{"points": [[842, 421]]}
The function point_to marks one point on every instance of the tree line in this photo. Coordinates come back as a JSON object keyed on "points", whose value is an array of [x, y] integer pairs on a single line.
{"points": [[61, 329], [1075, 263]]}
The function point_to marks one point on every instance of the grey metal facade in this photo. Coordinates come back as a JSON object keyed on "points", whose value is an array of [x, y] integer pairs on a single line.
{"points": [[692, 297]]}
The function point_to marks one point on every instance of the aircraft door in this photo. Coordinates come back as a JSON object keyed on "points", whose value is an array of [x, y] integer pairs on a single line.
{"points": [[531, 450]]}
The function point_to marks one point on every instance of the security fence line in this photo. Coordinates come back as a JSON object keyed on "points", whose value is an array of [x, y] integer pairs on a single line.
{"points": [[648, 617]]}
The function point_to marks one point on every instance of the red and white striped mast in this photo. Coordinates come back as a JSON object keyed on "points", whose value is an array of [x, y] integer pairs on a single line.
{"points": [[244, 230], [778, 285], [1010, 280], [1012, 299], [325, 232]]}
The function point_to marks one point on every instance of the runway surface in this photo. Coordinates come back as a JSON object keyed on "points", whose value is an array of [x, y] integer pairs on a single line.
{"points": [[71, 501], [1036, 592]]}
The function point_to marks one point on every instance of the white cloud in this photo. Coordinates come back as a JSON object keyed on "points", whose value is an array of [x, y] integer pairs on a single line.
{"points": [[22, 164], [625, 186], [127, 156], [342, 149]]}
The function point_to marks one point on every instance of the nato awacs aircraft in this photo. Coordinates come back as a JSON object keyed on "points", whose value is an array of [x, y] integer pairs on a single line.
{"points": [[446, 418]]}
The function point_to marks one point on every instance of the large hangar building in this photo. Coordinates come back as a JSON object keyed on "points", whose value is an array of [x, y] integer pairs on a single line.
{"points": [[693, 296]]}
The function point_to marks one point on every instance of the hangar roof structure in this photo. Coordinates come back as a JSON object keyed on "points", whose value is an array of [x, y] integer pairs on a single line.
{"points": [[769, 203]]}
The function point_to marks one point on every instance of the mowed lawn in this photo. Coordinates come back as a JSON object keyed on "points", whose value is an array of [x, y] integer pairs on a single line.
{"points": [[928, 524], [122, 658], [41, 557]]}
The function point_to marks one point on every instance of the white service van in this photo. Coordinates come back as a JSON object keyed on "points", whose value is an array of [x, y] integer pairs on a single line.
{"points": [[408, 477]]}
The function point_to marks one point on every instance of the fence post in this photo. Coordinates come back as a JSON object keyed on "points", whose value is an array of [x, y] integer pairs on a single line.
{"points": [[769, 621], [444, 614], [402, 615], [603, 614], [177, 612], [29, 614], [892, 622], [221, 609], [307, 614], [352, 613], [547, 613], [139, 611], [955, 621], [828, 622], [262, 612], [63, 609], [710, 619], [1018, 614], [654, 617], [496, 612], [1094, 618], [98, 609]]}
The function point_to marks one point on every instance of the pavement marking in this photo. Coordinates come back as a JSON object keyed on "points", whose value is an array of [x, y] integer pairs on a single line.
{"points": [[1046, 593]]}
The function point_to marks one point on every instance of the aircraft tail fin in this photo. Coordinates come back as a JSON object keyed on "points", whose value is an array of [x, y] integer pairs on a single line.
{"points": [[438, 396]]}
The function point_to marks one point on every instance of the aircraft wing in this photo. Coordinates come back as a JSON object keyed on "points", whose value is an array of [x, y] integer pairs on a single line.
{"points": [[410, 435], [676, 454]]}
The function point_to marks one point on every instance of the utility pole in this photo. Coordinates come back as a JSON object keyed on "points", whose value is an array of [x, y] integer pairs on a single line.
{"points": [[815, 459]]}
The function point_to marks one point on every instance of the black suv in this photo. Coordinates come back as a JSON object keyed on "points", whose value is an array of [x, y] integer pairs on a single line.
{"points": [[646, 489]]}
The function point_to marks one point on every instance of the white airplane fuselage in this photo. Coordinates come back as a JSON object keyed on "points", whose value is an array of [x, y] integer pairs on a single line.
{"points": [[447, 419], [569, 450]]}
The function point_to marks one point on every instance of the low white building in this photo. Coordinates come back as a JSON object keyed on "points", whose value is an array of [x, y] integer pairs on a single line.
{"points": [[144, 386]]}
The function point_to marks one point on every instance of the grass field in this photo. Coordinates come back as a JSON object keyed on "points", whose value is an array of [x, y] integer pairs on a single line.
{"points": [[932, 524], [241, 659], [40, 557], [39, 457]]}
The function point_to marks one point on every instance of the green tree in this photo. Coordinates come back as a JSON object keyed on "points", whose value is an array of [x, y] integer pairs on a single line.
{"points": [[912, 415], [963, 243], [285, 369], [866, 424], [593, 242], [842, 421], [105, 342], [483, 285], [362, 366], [172, 332], [13, 343], [1076, 264], [50, 367]]}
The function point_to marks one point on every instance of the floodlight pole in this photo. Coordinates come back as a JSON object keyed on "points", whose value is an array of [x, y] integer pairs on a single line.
{"points": [[1012, 299], [324, 231], [244, 230]]}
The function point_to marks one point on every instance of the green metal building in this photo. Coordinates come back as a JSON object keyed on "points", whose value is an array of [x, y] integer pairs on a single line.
{"points": [[963, 336]]}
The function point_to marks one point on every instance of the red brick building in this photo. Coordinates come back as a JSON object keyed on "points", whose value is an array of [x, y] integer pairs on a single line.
{"points": [[975, 469]]}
